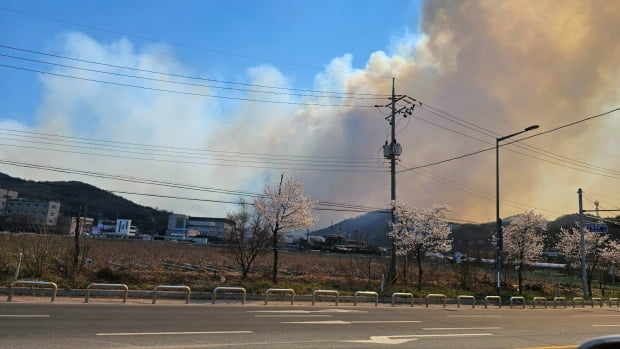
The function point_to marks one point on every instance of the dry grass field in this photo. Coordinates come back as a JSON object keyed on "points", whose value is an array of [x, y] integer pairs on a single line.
{"points": [[143, 265]]}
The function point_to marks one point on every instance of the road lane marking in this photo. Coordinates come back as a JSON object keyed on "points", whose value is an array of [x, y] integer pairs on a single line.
{"points": [[284, 315], [551, 347], [170, 333], [475, 316], [605, 325], [341, 322], [24, 316], [407, 338], [459, 328], [307, 311]]}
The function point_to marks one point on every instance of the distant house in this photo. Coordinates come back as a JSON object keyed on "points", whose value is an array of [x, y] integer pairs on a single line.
{"points": [[182, 227]]}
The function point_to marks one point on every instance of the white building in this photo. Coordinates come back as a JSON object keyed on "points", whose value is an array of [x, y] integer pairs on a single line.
{"points": [[40, 212], [182, 227]]}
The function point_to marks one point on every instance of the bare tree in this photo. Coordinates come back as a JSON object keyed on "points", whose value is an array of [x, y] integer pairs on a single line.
{"points": [[248, 238], [419, 231], [285, 208], [523, 241]]}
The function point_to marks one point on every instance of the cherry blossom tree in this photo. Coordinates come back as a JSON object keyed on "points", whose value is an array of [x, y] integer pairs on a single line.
{"points": [[599, 248], [285, 208], [420, 231], [523, 241]]}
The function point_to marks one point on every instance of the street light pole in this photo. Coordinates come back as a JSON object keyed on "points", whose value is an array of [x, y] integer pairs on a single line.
{"points": [[499, 241]]}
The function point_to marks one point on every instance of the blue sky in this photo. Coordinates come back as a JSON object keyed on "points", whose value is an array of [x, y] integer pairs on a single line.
{"points": [[481, 69], [219, 37]]}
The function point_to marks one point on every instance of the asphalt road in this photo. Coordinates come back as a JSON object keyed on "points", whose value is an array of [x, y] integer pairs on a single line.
{"points": [[74, 325]]}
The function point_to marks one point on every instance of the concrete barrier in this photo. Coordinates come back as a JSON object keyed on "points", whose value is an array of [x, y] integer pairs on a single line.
{"points": [[366, 294], [285, 291], [229, 290], [440, 296], [536, 300], [26, 283], [113, 287], [559, 299], [517, 298], [402, 294], [487, 299], [459, 298], [185, 289], [316, 293]]}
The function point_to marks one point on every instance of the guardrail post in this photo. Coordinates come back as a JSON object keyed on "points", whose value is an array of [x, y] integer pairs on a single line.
{"points": [[401, 294], [325, 292], [539, 299], [580, 299], [94, 285], [289, 291], [488, 298], [185, 289], [436, 295], [458, 300], [597, 299], [366, 294], [16, 283], [229, 289], [559, 299], [517, 298]]}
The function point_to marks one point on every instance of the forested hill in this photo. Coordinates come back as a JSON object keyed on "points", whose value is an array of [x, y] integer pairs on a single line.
{"points": [[74, 195]]}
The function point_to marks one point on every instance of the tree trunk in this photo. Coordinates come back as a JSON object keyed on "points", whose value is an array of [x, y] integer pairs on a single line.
{"points": [[420, 271], [274, 278], [520, 273]]}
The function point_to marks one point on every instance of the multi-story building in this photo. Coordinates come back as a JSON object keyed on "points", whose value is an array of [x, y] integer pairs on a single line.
{"points": [[40, 212], [68, 225], [6, 195], [119, 228], [182, 227]]}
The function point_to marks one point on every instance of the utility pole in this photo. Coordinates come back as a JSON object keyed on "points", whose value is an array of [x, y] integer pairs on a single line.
{"points": [[391, 151], [582, 242]]}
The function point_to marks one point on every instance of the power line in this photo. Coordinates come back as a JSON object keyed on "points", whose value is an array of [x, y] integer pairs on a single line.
{"points": [[306, 93], [511, 142], [185, 92], [104, 142]]}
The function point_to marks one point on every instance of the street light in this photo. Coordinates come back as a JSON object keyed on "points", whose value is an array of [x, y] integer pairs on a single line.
{"points": [[499, 241]]}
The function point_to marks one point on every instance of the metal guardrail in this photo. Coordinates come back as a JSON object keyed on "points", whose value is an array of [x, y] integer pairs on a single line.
{"points": [[285, 291], [459, 298], [26, 283], [489, 298], [559, 299], [316, 293], [536, 300], [98, 286], [517, 298], [229, 290], [597, 299], [579, 299], [402, 295], [611, 300], [437, 296], [185, 289], [366, 294]]}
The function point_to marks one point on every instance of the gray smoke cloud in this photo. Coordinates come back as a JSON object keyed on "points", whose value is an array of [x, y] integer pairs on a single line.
{"points": [[496, 64]]}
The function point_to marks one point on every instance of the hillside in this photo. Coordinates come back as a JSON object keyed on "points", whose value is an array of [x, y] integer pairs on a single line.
{"points": [[373, 226], [98, 203]]}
